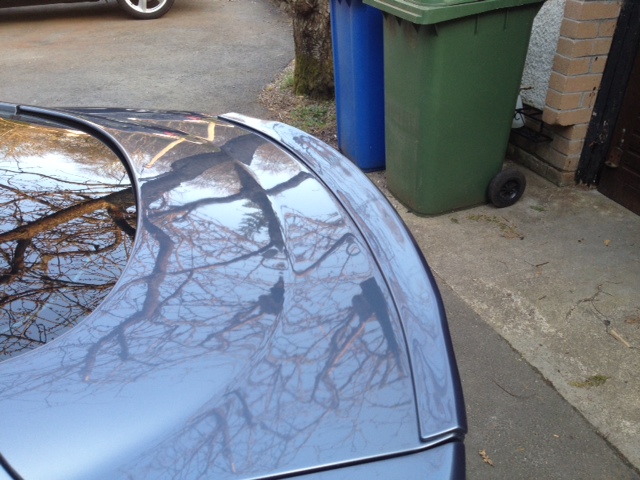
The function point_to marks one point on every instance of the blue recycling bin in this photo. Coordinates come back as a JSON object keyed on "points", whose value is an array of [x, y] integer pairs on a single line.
{"points": [[357, 31]]}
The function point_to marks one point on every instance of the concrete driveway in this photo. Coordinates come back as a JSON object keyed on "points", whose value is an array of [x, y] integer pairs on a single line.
{"points": [[549, 284], [211, 56]]}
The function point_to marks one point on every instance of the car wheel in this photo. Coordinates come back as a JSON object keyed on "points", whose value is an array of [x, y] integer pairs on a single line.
{"points": [[146, 9], [507, 187]]}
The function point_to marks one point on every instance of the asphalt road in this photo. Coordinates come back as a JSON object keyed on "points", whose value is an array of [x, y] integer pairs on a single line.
{"points": [[211, 56], [215, 56]]}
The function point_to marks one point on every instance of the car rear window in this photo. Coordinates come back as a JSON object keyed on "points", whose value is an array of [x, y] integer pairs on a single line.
{"points": [[67, 225]]}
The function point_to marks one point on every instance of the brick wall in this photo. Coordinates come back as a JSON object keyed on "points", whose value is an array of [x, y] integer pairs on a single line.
{"points": [[585, 39]]}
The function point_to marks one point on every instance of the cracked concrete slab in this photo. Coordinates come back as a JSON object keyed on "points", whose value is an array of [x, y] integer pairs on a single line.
{"points": [[558, 276], [517, 419]]}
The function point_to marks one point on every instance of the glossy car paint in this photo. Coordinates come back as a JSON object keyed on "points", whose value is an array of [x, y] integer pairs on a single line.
{"points": [[67, 225], [275, 318]]}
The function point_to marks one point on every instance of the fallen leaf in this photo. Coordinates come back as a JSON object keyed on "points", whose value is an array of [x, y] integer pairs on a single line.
{"points": [[632, 320], [592, 381], [607, 242], [485, 457]]}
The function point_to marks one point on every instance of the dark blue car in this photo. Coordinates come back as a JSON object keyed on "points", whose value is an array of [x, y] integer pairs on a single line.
{"points": [[185, 296]]}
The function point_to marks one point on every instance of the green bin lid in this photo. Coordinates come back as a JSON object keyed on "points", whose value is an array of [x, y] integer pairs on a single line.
{"points": [[425, 12]]}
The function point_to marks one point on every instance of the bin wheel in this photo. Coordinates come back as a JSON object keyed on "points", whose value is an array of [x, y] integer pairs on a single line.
{"points": [[507, 187]]}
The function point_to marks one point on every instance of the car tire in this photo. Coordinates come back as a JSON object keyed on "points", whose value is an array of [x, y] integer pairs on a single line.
{"points": [[146, 9], [507, 187]]}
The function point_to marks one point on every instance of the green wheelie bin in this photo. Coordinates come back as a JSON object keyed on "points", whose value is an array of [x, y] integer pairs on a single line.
{"points": [[452, 72]]}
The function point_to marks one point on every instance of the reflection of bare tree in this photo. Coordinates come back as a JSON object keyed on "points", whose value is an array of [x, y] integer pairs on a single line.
{"points": [[317, 371], [65, 237], [306, 312], [20, 140], [264, 274]]}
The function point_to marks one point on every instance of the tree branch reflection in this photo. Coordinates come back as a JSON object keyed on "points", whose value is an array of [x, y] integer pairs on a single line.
{"points": [[245, 262], [61, 247]]}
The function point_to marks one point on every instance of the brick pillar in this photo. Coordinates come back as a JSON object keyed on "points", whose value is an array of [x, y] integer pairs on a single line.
{"points": [[585, 40]]}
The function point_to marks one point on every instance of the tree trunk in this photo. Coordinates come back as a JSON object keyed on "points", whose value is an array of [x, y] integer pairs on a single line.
{"points": [[313, 75]]}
